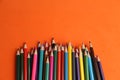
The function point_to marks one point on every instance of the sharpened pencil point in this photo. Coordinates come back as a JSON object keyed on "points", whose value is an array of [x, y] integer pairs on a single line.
{"points": [[90, 44], [28, 55], [18, 52], [21, 50], [47, 60], [39, 44], [25, 45]]}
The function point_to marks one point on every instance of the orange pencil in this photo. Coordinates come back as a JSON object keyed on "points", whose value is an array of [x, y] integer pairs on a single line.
{"points": [[59, 64]]}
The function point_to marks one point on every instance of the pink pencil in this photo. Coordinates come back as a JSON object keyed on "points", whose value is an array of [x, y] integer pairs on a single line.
{"points": [[51, 66], [34, 66]]}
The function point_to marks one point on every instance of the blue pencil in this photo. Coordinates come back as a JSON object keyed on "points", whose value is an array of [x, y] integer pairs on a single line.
{"points": [[91, 74], [66, 64], [41, 55]]}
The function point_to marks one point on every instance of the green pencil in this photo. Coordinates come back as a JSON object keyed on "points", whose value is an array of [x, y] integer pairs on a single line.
{"points": [[55, 62], [28, 64], [47, 69], [86, 66], [21, 63], [18, 65]]}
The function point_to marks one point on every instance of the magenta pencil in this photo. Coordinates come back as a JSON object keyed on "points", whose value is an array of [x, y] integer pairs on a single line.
{"points": [[51, 66], [34, 66]]}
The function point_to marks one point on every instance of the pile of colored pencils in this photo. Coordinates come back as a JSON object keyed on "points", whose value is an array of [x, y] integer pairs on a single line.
{"points": [[58, 62]]}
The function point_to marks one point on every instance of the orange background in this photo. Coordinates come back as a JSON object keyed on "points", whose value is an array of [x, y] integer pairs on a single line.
{"points": [[67, 20]]}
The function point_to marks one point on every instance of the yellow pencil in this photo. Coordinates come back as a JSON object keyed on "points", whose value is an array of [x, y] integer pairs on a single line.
{"points": [[81, 64], [69, 61]]}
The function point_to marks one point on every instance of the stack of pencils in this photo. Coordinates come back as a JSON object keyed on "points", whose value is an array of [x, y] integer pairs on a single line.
{"points": [[58, 62]]}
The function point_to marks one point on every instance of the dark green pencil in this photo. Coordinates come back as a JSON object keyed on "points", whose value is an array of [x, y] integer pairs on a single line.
{"points": [[21, 63], [18, 65], [55, 62]]}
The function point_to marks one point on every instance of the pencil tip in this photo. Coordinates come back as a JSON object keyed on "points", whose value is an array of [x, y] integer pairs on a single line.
{"points": [[65, 48], [35, 51], [18, 53], [62, 48], [42, 47], [55, 48], [25, 45], [39, 44], [47, 60], [21, 50], [28, 55], [90, 44], [83, 46], [53, 41]]}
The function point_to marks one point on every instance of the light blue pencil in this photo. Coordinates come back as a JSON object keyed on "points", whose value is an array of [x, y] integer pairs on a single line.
{"points": [[41, 62], [91, 74], [66, 64]]}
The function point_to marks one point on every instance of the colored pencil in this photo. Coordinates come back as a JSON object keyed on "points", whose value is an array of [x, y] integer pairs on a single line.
{"points": [[100, 68], [91, 74], [59, 63], [21, 62], [47, 69], [34, 67], [86, 69], [62, 62], [77, 67], [66, 64], [69, 61], [81, 64], [94, 63], [53, 43], [25, 61], [38, 60], [18, 65], [31, 60], [46, 46], [51, 66], [55, 63], [44, 64], [28, 64], [73, 64], [41, 56]]}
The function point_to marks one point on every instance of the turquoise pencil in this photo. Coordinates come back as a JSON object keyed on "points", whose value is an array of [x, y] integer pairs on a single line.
{"points": [[47, 69], [41, 55], [91, 74], [66, 64]]}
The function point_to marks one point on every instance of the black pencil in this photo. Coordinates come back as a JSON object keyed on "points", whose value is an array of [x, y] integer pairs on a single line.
{"points": [[94, 63], [73, 65], [21, 63], [18, 65]]}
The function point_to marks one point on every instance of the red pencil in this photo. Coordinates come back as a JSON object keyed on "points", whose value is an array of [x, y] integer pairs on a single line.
{"points": [[25, 61], [59, 64], [62, 62]]}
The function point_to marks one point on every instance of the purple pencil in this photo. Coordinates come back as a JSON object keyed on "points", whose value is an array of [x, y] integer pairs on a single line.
{"points": [[51, 66], [77, 67]]}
